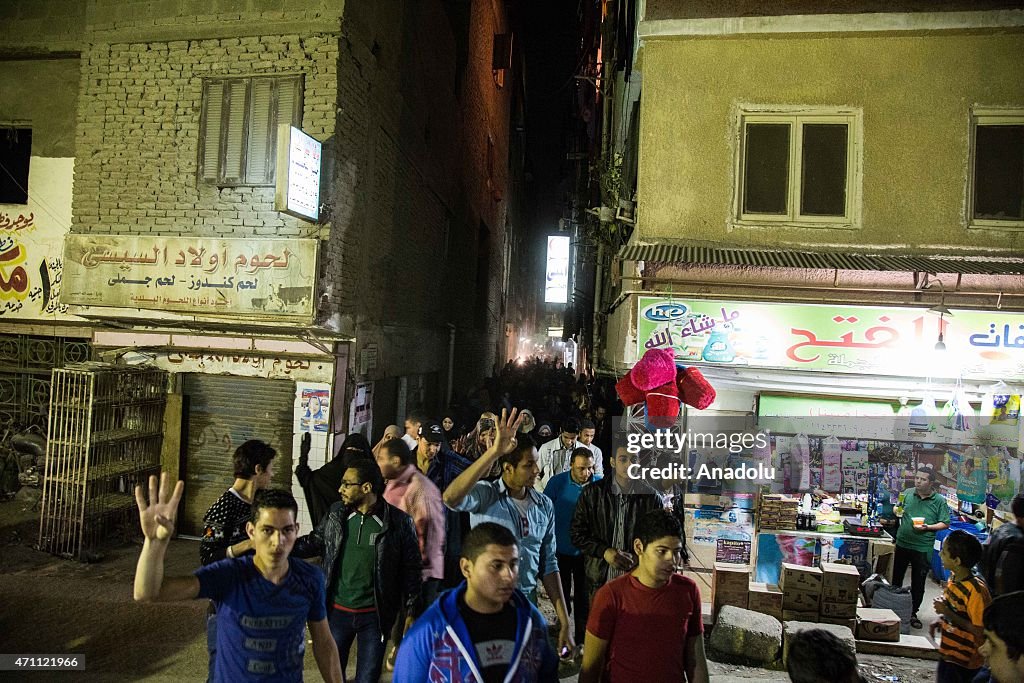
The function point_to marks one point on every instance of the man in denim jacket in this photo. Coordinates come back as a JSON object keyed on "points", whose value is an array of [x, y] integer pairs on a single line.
{"points": [[513, 503]]}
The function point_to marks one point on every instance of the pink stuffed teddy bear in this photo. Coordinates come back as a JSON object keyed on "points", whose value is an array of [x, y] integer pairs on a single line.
{"points": [[661, 385]]}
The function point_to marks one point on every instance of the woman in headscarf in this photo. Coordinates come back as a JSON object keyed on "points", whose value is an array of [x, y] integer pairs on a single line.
{"points": [[321, 485], [476, 442], [451, 427]]}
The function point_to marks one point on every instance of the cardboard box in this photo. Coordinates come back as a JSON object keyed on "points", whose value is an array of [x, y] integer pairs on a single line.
{"points": [[734, 577], [878, 624], [800, 601], [839, 576], [729, 585], [881, 556], [795, 615], [800, 578], [766, 599], [848, 623], [736, 600], [839, 610], [840, 594]]}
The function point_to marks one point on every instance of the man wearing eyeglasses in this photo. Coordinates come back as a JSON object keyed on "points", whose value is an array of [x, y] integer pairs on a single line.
{"points": [[372, 560], [605, 519]]}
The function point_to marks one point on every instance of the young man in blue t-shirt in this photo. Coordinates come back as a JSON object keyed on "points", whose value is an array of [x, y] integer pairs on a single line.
{"points": [[564, 491], [264, 601]]}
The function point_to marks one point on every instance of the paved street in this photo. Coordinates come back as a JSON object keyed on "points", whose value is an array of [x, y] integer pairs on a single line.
{"points": [[51, 605]]}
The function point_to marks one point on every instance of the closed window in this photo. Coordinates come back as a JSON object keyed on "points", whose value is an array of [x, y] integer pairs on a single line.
{"points": [[798, 168], [15, 151], [997, 162], [239, 127]]}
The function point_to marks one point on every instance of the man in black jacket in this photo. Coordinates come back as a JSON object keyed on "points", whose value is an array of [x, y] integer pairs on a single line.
{"points": [[372, 560], [1002, 564], [606, 514]]}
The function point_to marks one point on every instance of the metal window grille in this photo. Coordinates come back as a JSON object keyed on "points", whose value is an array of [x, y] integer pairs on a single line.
{"points": [[105, 436]]}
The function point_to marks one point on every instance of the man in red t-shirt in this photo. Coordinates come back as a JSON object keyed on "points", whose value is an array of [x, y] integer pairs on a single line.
{"points": [[646, 625]]}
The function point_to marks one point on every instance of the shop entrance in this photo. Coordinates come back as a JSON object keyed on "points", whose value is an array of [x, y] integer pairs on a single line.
{"points": [[222, 412]]}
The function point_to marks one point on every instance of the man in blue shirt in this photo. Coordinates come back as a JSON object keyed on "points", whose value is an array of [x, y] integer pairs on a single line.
{"points": [[513, 503], [264, 601], [564, 491]]}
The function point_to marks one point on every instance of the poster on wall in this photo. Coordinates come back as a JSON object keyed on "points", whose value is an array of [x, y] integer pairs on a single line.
{"points": [[712, 524], [732, 551], [31, 241], [774, 549], [360, 417], [316, 405], [833, 338]]}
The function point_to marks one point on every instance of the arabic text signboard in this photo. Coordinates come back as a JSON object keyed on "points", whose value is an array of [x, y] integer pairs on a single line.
{"points": [[556, 275], [298, 173], [201, 276], [834, 338]]}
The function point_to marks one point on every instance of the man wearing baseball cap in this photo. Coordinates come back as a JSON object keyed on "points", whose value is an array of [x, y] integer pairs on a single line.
{"points": [[436, 459], [428, 442]]}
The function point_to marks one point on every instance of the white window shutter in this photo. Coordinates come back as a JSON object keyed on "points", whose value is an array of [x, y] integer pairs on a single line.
{"points": [[288, 96], [235, 144], [211, 141], [258, 162]]}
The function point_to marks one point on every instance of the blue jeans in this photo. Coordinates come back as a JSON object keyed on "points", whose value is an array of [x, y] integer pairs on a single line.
{"points": [[346, 627], [211, 643]]}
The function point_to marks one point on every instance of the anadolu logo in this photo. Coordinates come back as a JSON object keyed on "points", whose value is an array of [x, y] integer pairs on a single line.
{"points": [[665, 312]]}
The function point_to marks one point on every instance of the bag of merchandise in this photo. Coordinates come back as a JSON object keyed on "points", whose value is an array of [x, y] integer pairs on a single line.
{"points": [[800, 462], [958, 411], [922, 417]]}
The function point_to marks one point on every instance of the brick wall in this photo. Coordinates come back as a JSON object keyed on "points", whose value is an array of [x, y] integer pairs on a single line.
{"points": [[485, 113], [396, 179], [409, 156], [138, 134]]}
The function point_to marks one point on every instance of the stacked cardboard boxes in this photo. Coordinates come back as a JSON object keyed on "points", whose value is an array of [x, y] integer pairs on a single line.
{"points": [[729, 585], [778, 511], [765, 598], [801, 592], [840, 588]]}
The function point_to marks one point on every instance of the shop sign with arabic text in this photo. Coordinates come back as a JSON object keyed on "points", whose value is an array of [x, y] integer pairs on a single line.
{"points": [[202, 276], [834, 338]]}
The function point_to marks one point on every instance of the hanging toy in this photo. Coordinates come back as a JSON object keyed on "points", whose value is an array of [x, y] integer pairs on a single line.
{"points": [[662, 386]]}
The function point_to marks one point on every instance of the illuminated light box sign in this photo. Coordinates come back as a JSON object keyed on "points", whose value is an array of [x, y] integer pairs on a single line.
{"points": [[834, 337], [556, 274], [298, 173]]}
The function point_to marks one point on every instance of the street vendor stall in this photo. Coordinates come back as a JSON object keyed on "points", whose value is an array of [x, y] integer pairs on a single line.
{"points": [[851, 398]]}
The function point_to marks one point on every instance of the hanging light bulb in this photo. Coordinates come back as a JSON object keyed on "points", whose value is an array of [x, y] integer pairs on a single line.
{"points": [[940, 345]]}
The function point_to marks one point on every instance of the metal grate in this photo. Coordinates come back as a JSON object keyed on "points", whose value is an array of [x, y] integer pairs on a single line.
{"points": [[223, 413], [677, 253], [25, 365], [105, 435]]}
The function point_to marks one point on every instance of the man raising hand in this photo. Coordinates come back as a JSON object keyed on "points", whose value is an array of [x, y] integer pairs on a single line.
{"points": [[260, 629], [513, 503]]}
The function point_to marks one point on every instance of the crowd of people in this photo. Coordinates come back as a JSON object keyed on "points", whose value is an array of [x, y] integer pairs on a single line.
{"points": [[436, 541]]}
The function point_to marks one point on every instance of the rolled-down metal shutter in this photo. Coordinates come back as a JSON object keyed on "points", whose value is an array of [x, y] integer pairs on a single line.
{"points": [[223, 413]]}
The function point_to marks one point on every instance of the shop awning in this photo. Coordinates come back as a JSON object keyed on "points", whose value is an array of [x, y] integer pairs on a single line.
{"points": [[679, 253]]}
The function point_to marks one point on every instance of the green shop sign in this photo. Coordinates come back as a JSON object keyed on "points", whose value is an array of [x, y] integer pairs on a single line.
{"points": [[834, 337]]}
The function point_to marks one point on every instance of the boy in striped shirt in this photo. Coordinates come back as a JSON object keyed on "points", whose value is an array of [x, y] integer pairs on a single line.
{"points": [[960, 610]]}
